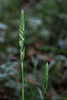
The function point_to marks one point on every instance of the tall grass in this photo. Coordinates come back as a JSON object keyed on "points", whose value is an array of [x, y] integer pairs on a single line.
{"points": [[22, 53], [22, 48]]}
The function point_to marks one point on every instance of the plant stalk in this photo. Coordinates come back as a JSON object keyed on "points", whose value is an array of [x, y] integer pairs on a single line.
{"points": [[22, 81], [22, 47]]}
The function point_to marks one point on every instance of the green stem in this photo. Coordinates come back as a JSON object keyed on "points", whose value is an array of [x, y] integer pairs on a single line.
{"points": [[22, 81], [22, 74], [22, 49]]}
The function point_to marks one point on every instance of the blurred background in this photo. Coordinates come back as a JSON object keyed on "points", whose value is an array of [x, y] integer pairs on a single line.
{"points": [[45, 41]]}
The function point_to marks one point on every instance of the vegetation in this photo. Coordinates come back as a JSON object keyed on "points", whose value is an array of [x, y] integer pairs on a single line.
{"points": [[22, 50], [45, 81], [45, 41]]}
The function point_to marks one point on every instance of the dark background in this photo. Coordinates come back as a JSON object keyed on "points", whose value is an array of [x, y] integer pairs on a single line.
{"points": [[45, 41]]}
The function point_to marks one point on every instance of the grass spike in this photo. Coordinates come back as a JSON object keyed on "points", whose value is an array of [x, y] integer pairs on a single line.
{"points": [[45, 80], [22, 47]]}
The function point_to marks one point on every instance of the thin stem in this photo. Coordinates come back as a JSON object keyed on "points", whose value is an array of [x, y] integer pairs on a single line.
{"points": [[22, 81], [22, 74], [22, 49]]}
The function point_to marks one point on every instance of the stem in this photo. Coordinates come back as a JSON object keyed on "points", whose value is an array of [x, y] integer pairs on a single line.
{"points": [[22, 81], [22, 49], [22, 75]]}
